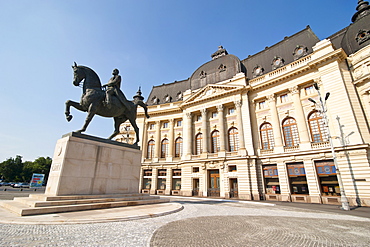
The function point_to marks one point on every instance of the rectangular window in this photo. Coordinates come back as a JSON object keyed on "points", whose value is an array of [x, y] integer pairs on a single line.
{"points": [[195, 169], [162, 172], [148, 172], [309, 90], [270, 174], [147, 183], [232, 168], [176, 172], [231, 110], [151, 126], [297, 178], [214, 114], [327, 178], [262, 105], [176, 184], [165, 125], [161, 183], [283, 98], [199, 118], [179, 123]]}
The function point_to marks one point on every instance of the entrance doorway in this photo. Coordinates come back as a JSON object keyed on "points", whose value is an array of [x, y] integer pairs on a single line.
{"points": [[196, 187], [233, 188], [214, 183]]}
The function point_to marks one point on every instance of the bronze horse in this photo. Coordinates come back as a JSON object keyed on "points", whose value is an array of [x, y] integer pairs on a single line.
{"points": [[93, 98]]}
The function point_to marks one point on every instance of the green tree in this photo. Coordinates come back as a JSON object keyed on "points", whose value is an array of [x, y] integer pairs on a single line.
{"points": [[11, 169], [18, 171]]}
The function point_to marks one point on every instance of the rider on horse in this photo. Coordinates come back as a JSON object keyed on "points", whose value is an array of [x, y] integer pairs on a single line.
{"points": [[113, 88]]}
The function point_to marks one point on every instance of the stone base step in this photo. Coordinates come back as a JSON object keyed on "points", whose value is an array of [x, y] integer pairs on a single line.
{"points": [[33, 206], [44, 197], [32, 203]]}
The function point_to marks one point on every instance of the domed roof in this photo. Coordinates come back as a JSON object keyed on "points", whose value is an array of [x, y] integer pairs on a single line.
{"points": [[223, 66], [357, 35]]}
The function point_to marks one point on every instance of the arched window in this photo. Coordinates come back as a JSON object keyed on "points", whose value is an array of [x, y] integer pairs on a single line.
{"points": [[198, 144], [178, 147], [290, 131], [215, 136], [267, 136], [150, 151], [164, 148], [233, 139], [318, 131]]}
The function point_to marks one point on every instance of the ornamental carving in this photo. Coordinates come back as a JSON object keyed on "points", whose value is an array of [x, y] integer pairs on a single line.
{"points": [[257, 71], [238, 103], [211, 91], [294, 90], [300, 51], [358, 73], [277, 62], [202, 74], [221, 68], [220, 108], [271, 98], [167, 98], [204, 112], [362, 36]]}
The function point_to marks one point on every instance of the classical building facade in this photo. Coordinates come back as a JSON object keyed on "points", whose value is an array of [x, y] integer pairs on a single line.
{"points": [[277, 125]]}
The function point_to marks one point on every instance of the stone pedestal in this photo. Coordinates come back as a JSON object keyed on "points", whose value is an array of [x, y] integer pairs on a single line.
{"points": [[86, 165]]}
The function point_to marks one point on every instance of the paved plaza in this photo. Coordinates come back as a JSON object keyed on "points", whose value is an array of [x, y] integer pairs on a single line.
{"points": [[196, 222]]}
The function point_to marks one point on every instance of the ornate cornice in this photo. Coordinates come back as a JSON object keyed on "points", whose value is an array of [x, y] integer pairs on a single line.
{"points": [[338, 55], [211, 92]]}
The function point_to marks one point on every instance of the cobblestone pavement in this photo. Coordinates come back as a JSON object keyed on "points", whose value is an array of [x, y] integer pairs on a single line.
{"points": [[204, 223]]}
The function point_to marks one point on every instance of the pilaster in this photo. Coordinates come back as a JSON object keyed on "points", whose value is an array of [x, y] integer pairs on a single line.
{"points": [[278, 139]]}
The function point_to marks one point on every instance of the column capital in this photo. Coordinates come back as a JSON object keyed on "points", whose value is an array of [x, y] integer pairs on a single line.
{"points": [[318, 81], [294, 90], [220, 108], [189, 115], [271, 98], [203, 111], [238, 103]]}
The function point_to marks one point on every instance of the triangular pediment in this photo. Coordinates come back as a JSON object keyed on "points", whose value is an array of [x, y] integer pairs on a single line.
{"points": [[212, 91]]}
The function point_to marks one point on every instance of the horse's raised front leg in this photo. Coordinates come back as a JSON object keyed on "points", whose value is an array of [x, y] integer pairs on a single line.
{"points": [[90, 114], [76, 105]]}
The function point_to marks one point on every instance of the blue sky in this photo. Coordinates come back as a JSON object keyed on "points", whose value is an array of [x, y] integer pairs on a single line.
{"points": [[150, 41]]}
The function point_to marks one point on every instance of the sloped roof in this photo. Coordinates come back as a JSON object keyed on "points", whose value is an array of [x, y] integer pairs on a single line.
{"points": [[283, 49], [167, 93]]}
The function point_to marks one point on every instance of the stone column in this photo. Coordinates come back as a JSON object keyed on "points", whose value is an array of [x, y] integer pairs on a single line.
{"points": [[157, 140], [283, 181], [221, 126], [204, 132], [141, 179], [168, 181], [366, 99], [171, 141], [188, 136], [304, 137], [239, 121], [145, 141], [203, 181], [153, 188], [278, 139]]}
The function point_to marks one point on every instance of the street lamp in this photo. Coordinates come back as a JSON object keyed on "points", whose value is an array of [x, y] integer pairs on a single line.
{"points": [[343, 198]]}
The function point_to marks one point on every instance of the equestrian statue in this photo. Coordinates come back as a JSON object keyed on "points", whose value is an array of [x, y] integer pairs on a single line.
{"points": [[110, 102]]}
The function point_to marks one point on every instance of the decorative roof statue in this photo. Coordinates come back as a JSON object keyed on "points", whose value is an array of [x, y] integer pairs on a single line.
{"points": [[111, 103], [362, 8], [219, 53]]}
